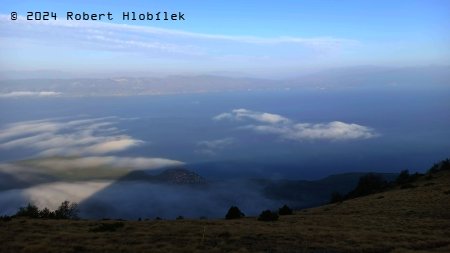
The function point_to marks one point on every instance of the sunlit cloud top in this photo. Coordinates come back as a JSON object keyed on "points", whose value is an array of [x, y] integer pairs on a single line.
{"points": [[75, 137], [287, 129]]}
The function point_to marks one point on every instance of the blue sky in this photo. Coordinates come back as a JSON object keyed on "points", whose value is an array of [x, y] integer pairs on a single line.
{"points": [[258, 37]]}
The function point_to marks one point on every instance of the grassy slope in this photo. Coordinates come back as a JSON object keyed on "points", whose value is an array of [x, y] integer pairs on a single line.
{"points": [[401, 220]]}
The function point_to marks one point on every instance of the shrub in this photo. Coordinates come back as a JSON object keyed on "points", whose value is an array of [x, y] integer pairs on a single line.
{"points": [[336, 197], [234, 213], [5, 218], [440, 166], [30, 211], [67, 210], [403, 177], [46, 214], [268, 215], [368, 184], [180, 218], [285, 210]]}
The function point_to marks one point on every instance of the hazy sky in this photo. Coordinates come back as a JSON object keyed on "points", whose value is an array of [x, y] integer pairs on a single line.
{"points": [[257, 37]]}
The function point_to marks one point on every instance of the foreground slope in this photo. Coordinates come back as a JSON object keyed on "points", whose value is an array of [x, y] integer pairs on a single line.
{"points": [[413, 219]]}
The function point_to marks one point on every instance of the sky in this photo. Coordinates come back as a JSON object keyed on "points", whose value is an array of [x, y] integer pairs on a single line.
{"points": [[267, 38]]}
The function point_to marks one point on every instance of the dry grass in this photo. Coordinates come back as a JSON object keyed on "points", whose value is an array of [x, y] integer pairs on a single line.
{"points": [[403, 220]]}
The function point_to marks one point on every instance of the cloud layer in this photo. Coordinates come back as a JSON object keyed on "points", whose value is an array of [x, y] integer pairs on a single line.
{"points": [[122, 36], [70, 160], [29, 94], [76, 137], [268, 123], [244, 114], [146, 45], [111, 162]]}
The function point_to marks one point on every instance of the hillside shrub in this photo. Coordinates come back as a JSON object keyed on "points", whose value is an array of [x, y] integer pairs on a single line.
{"points": [[368, 184], [234, 213], [336, 197], [46, 214], [5, 218], [30, 211], [440, 166], [268, 215], [66, 210], [285, 210], [403, 177]]}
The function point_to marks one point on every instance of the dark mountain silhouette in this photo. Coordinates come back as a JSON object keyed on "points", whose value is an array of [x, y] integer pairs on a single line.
{"points": [[178, 191]]}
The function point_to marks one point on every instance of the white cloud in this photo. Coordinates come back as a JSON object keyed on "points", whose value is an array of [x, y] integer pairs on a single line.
{"points": [[113, 146], [161, 46], [45, 170], [52, 178], [76, 137], [29, 94], [28, 127], [90, 162], [244, 114], [59, 146], [105, 32], [287, 129], [212, 146]]}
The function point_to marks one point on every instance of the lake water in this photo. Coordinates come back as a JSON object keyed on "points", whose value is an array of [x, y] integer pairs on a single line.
{"points": [[412, 129]]}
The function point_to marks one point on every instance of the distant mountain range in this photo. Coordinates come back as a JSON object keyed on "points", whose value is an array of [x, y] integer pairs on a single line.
{"points": [[357, 77]]}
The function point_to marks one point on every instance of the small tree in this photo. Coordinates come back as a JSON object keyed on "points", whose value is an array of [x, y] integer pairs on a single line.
{"points": [[5, 218], [67, 210], [234, 213], [368, 184], [285, 210], [440, 166], [268, 215], [46, 214], [403, 177], [30, 211]]}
